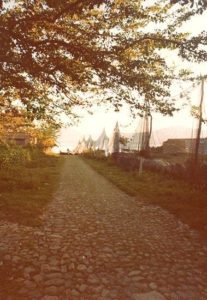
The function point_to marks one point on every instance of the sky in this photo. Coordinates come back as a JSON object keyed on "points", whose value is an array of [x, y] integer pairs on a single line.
{"points": [[101, 119], [94, 124]]}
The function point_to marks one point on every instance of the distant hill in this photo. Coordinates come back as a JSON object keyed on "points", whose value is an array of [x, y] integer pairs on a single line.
{"points": [[161, 135], [69, 137]]}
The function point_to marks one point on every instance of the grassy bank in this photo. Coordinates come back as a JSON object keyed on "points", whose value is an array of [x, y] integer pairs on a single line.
{"points": [[25, 189], [178, 197]]}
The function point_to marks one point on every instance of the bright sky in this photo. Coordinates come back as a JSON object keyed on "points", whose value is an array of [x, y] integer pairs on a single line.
{"points": [[94, 124]]}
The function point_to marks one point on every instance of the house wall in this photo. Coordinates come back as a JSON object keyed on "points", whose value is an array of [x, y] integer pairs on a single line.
{"points": [[18, 139], [174, 146], [184, 146]]}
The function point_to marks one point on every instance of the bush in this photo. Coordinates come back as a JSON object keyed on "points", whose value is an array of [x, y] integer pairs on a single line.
{"points": [[13, 156], [96, 154]]}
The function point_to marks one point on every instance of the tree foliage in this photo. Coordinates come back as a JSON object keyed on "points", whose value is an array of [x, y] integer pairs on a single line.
{"points": [[11, 122], [55, 55], [199, 5], [43, 134], [46, 136]]}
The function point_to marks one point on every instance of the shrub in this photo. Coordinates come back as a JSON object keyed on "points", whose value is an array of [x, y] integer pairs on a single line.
{"points": [[13, 156], [96, 154]]}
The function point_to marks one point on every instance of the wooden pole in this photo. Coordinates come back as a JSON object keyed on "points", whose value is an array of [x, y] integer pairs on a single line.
{"points": [[197, 143], [140, 166], [150, 132]]}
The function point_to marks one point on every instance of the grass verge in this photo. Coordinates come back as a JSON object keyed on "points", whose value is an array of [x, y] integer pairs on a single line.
{"points": [[26, 189], [176, 196]]}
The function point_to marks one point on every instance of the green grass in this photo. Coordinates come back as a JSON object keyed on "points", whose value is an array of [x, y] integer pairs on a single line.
{"points": [[186, 202], [25, 190]]}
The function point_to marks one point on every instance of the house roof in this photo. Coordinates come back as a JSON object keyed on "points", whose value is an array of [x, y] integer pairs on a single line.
{"points": [[183, 140], [18, 135]]}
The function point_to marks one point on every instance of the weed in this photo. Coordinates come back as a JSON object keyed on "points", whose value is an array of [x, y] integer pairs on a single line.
{"points": [[186, 202]]}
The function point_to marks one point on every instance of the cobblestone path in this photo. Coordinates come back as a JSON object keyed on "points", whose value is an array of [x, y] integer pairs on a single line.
{"points": [[98, 243]]}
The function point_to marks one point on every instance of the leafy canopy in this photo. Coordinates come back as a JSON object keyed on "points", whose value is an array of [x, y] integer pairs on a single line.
{"points": [[199, 5], [55, 55]]}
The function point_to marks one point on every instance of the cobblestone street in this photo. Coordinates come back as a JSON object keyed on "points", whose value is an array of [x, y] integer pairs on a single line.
{"points": [[96, 242]]}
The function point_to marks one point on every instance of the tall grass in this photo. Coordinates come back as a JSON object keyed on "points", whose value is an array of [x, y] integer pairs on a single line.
{"points": [[28, 179]]}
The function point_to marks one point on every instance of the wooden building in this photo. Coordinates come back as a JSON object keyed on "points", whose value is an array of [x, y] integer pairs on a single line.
{"points": [[184, 146], [20, 138]]}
